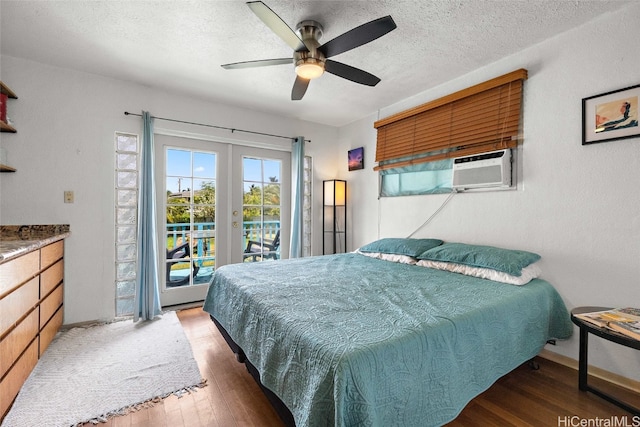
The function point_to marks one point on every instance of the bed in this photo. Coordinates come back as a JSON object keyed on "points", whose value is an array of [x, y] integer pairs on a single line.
{"points": [[377, 338]]}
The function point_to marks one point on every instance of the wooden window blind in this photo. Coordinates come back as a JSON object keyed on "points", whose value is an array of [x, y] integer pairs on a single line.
{"points": [[482, 118]]}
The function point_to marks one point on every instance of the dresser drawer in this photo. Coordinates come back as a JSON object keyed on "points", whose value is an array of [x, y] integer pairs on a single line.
{"points": [[49, 305], [17, 340], [50, 329], [51, 253], [51, 277], [18, 303], [11, 383], [18, 270]]}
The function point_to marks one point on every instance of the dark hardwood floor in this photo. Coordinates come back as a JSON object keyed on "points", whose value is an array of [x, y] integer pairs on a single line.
{"points": [[525, 397]]}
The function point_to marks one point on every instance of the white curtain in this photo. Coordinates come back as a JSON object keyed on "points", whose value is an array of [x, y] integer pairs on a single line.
{"points": [[297, 197], [147, 298]]}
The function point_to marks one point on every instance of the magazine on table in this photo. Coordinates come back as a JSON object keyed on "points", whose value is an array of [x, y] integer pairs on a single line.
{"points": [[622, 320], [630, 311], [630, 329]]}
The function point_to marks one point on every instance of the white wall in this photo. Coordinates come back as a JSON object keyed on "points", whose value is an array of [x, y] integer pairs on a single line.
{"points": [[577, 206], [66, 122]]}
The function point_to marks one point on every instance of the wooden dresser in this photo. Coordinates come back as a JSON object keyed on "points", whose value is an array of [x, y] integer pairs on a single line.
{"points": [[31, 312]]}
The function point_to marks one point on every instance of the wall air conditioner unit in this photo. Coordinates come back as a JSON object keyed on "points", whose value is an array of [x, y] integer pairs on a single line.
{"points": [[485, 170]]}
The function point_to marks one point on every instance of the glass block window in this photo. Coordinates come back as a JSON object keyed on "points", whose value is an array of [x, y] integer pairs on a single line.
{"points": [[126, 213], [306, 211]]}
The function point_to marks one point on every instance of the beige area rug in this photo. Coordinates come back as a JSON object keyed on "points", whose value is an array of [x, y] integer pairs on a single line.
{"points": [[88, 374]]}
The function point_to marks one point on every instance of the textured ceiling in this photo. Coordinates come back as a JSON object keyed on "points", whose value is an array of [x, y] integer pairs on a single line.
{"points": [[180, 45]]}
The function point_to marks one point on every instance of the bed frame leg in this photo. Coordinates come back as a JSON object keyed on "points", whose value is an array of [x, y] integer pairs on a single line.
{"points": [[533, 364]]}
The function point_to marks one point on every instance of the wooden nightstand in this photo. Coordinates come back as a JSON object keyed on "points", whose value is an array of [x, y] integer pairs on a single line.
{"points": [[587, 328]]}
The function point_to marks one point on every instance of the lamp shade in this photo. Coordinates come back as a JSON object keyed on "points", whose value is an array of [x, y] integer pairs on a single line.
{"points": [[340, 193], [329, 193], [334, 216], [335, 192]]}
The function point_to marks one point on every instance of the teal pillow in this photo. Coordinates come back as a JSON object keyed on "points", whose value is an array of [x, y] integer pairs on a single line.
{"points": [[401, 246], [506, 260]]}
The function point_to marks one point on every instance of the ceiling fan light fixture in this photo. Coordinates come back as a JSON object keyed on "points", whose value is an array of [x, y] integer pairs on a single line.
{"points": [[309, 69], [309, 56]]}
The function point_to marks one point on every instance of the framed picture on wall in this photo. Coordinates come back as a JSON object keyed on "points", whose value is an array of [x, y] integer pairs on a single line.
{"points": [[356, 159], [610, 116]]}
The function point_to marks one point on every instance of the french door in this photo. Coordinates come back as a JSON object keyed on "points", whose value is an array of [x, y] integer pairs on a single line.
{"points": [[261, 194], [217, 204]]}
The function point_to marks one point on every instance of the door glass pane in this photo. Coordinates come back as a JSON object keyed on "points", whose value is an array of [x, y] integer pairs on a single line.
{"points": [[204, 165], [178, 163], [190, 217], [204, 242], [252, 169], [261, 208], [252, 223], [271, 171], [178, 190], [252, 194], [272, 194]]}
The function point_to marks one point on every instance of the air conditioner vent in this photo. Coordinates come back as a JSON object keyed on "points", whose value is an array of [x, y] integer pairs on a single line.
{"points": [[483, 170]]}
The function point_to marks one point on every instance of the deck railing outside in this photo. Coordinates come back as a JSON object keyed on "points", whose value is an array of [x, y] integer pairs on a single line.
{"points": [[205, 231]]}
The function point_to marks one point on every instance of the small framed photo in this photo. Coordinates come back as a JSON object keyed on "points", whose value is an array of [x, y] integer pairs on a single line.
{"points": [[356, 159], [611, 116]]}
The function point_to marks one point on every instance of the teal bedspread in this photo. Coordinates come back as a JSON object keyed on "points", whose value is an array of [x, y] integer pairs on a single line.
{"points": [[348, 340]]}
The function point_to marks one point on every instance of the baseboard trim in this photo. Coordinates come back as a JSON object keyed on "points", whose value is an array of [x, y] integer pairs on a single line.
{"points": [[85, 324], [619, 380], [184, 306], [90, 323]]}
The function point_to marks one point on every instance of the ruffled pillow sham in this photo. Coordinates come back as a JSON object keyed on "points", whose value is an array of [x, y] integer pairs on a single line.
{"points": [[527, 274], [402, 259], [505, 260]]}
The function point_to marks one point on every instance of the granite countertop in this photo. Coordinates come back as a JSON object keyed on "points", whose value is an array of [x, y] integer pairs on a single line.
{"points": [[16, 240]]}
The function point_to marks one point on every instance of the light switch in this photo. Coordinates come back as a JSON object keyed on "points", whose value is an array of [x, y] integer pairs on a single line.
{"points": [[68, 196]]}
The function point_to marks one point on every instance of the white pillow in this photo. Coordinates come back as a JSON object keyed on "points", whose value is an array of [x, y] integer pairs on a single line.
{"points": [[402, 259], [529, 272]]}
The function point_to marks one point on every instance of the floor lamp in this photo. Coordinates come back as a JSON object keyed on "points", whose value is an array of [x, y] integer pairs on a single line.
{"points": [[334, 216]]}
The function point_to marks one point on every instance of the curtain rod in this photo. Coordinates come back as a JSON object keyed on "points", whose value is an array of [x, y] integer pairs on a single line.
{"points": [[126, 113]]}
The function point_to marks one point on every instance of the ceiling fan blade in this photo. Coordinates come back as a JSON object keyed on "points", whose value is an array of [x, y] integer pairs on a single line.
{"points": [[276, 24], [299, 88], [258, 63], [350, 73], [358, 36]]}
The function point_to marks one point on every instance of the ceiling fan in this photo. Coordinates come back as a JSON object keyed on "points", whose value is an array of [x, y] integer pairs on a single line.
{"points": [[309, 57]]}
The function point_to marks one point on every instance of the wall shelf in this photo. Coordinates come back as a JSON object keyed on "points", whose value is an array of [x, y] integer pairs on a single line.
{"points": [[4, 126]]}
